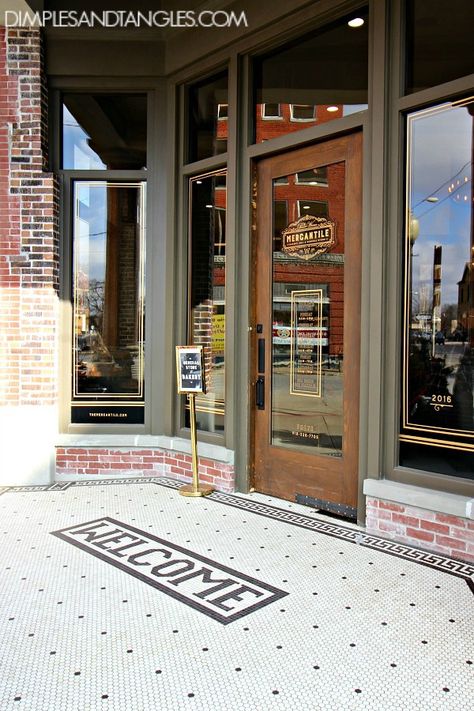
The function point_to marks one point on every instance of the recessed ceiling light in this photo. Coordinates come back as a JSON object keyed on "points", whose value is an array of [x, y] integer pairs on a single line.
{"points": [[432, 199], [198, 182], [210, 206], [332, 108], [306, 207], [356, 22]]}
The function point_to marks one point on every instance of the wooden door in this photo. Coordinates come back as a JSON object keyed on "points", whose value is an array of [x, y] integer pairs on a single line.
{"points": [[307, 324]]}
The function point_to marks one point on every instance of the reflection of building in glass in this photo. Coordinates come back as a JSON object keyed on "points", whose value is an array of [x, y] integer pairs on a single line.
{"points": [[439, 365], [208, 202], [465, 303], [272, 122], [323, 196], [108, 312]]}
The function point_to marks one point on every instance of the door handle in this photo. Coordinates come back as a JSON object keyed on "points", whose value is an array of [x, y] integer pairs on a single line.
{"points": [[261, 355], [260, 392]]}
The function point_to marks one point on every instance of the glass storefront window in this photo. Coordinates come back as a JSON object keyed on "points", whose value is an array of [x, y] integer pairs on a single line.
{"points": [[438, 42], [104, 131], [208, 202], [438, 355], [108, 302], [306, 82], [207, 118]]}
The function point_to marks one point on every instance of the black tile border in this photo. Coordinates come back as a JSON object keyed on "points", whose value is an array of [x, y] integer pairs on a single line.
{"points": [[435, 561]]}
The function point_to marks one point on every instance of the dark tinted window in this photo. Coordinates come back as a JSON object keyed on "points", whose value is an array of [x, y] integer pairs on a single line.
{"points": [[439, 42], [104, 131], [317, 78], [207, 118], [208, 203]]}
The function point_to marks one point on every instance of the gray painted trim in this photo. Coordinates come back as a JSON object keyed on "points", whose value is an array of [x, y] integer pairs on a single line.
{"points": [[231, 276], [187, 171], [103, 83], [243, 393], [429, 480], [179, 227], [374, 169], [65, 305], [395, 187], [419, 497], [95, 57], [437, 94], [159, 266], [105, 175], [54, 135], [393, 253], [206, 165], [307, 136]]}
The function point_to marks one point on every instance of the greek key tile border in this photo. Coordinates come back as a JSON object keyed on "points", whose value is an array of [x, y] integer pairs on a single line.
{"points": [[429, 559]]}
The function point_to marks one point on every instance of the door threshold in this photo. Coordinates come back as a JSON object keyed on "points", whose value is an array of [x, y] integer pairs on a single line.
{"points": [[328, 507]]}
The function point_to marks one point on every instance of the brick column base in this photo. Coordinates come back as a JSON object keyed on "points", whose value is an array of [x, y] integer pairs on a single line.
{"points": [[89, 463], [442, 533]]}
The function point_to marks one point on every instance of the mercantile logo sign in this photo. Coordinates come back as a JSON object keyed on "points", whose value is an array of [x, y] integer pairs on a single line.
{"points": [[205, 585], [126, 18], [309, 236]]}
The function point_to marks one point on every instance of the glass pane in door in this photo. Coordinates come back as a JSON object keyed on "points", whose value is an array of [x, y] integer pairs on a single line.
{"points": [[308, 310]]}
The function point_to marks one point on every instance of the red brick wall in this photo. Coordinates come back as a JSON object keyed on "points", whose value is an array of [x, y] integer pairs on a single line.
{"points": [[304, 272], [450, 535], [89, 462], [266, 129], [29, 266]]}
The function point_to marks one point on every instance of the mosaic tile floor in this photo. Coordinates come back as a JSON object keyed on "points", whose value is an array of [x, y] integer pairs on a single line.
{"points": [[230, 602]]}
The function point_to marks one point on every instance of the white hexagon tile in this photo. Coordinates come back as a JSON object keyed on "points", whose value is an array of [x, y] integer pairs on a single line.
{"points": [[126, 595]]}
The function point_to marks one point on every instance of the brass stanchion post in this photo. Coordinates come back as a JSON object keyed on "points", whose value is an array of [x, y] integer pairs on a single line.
{"points": [[194, 489]]}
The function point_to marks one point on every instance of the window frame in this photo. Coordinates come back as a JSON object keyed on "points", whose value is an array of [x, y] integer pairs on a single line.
{"points": [[226, 116], [189, 335], [116, 400], [386, 463], [271, 117], [296, 119], [66, 179]]}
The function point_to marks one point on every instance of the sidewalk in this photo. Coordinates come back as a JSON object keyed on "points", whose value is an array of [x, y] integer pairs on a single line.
{"points": [[229, 602]]}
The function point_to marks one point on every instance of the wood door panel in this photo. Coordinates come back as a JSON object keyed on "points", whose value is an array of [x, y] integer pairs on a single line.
{"points": [[329, 470]]}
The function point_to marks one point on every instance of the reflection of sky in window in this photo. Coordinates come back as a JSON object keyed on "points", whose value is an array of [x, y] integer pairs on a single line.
{"points": [[441, 170], [349, 109], [76, 150], [91, 229]]}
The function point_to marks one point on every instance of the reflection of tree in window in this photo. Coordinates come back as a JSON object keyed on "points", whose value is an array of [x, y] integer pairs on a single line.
{"points": [[439, 355], [108, 297]]}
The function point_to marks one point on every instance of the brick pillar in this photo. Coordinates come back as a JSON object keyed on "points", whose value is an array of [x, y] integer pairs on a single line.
{"points": [[29, 265]]}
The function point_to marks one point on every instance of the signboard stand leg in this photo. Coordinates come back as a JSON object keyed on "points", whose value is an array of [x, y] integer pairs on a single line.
{"points": [[194, 489]]}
